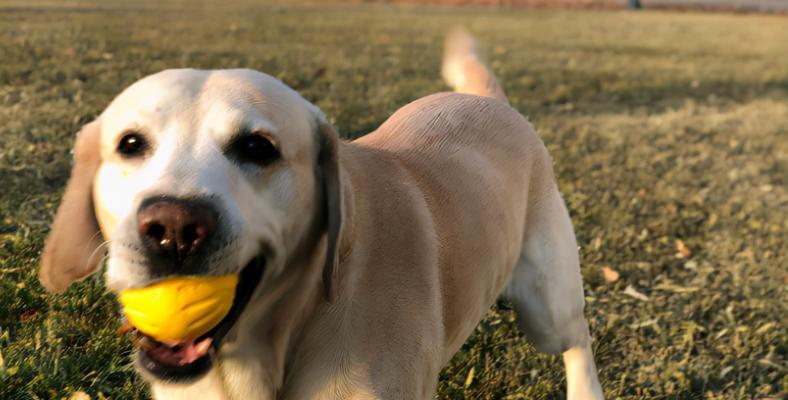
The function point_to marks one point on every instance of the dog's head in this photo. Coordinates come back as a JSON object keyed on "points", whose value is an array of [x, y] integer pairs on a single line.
{"points": [[192, 172]]}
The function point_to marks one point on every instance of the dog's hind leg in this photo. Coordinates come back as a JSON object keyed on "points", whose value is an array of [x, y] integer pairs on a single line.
{"points": [[581, 376], [547, 289]]}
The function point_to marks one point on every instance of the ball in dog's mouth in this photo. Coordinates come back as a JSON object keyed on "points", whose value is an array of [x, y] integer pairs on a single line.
{"points": [[188, 359], [179, 308]]}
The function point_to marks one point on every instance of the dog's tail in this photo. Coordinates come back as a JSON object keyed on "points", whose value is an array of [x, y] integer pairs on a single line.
{"points": [[463, 67]]}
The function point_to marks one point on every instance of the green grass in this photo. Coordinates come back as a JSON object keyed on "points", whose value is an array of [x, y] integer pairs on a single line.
{"points": [[662, 127]]}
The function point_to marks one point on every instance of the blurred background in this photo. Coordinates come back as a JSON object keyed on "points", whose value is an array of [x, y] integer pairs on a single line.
{"points": [[769, 6], [668, 128]]}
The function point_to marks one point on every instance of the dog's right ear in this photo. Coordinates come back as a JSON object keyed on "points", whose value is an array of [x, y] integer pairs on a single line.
{"points": [[328, 162], [72, 248]]}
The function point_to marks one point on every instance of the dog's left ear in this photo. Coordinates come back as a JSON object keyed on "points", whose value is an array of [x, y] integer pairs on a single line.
{"points": [[328, 162], [72, 248]]}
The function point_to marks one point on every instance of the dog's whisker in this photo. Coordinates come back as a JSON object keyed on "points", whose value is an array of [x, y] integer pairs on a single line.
{"points": [[100, 248]]}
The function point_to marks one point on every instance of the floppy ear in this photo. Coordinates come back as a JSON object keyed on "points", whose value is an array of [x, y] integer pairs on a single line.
{"points": [[328, 163], [71, 250]]}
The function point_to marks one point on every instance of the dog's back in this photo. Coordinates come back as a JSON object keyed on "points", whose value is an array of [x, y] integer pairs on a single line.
{"points": [[500, 223], [470, 157]]}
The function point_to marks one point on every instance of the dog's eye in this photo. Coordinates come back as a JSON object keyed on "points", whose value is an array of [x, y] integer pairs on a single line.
{"points": [[255, 149], [132, 144]]}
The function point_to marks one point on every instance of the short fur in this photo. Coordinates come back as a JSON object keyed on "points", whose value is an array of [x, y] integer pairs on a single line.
{"points": [[383, 253]]}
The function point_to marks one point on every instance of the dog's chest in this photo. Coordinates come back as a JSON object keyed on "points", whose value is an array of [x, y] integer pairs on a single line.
{"points": [[209, 387], [233, 379]]}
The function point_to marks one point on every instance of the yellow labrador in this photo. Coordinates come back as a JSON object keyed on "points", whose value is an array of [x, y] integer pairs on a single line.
{"points": [[364, 265]]}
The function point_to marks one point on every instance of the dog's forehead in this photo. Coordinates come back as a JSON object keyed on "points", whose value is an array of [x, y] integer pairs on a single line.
{"points": [[219, 99]]}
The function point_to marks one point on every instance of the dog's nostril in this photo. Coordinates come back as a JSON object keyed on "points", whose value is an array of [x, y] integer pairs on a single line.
{"points": [[157, 233], [190, 233]]}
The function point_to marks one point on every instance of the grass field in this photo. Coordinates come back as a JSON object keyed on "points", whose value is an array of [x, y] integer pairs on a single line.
{"points": [[669, 134]]}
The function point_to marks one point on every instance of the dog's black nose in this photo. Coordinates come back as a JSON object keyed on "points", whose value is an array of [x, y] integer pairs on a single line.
{"points": [[175, 228]]}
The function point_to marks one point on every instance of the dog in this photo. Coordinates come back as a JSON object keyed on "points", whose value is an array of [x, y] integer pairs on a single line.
{"points": [[363, 265]]}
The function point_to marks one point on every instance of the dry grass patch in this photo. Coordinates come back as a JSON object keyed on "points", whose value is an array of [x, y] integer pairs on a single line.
{"points": [[668, 132]]}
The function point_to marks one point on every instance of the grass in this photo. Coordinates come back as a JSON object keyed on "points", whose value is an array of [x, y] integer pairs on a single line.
{"points": [[669, 134]]}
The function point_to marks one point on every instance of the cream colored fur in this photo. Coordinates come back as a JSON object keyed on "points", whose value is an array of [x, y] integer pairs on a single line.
{"points": [[446, 206]]}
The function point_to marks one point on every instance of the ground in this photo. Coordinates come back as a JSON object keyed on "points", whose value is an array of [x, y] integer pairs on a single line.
{"points": [[668, 131]]}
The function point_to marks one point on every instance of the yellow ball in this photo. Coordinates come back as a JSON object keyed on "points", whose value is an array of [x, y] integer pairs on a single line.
{"points": [[180, 308]]}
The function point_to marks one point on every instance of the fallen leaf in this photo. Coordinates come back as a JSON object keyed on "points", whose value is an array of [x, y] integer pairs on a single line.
{"points": [[682, 249], [79, 396], [610, 274], [632, 292]]}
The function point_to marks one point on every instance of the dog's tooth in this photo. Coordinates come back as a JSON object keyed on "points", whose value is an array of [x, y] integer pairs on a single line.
{"points": [[203, 346]]}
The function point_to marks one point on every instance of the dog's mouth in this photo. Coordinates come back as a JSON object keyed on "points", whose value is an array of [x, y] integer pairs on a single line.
{"points": [[190, 359]]}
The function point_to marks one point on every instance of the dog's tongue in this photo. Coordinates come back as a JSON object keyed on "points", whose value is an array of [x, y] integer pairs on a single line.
{"points": [[181, 353]]}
